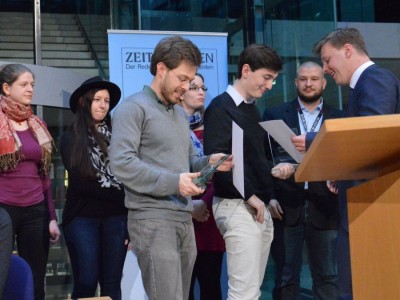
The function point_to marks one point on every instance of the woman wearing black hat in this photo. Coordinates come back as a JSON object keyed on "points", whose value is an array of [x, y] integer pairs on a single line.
{"points": [[94, 217]]}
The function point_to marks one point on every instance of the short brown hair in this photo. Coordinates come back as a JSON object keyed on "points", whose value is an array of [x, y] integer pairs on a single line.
{"points": [[259, 56], [9, 73], [172, 51], [341, 36]]}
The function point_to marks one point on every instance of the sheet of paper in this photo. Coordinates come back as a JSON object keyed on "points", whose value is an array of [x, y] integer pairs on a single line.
{"points": [[282, 134], [237, 152]]}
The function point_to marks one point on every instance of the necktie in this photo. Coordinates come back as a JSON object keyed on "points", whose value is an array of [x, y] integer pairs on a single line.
{"points": [[348, 99]]}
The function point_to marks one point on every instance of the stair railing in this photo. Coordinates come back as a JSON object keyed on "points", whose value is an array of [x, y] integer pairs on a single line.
{"points": [[91, 49]]}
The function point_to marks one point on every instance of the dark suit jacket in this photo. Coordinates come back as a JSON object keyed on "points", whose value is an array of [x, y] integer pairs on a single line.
{"points": [[323, 206], [377, 92]]}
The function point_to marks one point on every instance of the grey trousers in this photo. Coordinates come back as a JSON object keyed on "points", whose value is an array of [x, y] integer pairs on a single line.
{"points": [[5, 247], [166, 253]]}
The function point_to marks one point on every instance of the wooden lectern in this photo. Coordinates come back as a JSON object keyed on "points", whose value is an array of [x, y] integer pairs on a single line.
{"points": [[364, 148]]}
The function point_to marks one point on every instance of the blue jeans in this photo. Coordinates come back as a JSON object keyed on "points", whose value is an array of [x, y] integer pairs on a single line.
{"points": [[287, 251], [5, 247], [97, 252]]}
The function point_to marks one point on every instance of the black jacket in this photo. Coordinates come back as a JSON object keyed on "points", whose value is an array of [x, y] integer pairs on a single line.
{"points": [[322, 204]]}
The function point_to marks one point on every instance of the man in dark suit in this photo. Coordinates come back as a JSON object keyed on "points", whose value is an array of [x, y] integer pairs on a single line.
{"points": [[374, 91], [305, 212]]}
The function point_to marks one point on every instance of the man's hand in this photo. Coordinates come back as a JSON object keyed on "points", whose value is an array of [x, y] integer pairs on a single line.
{"points": [[299, 142], [275, 209], [200, 212], [256, 203], [283, 170], [187, 187], [225, 166], [54, 232]]}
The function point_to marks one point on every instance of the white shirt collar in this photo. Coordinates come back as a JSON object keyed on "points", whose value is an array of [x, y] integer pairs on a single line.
{"points": [[318, 108], [236, 96], [358, 72]]}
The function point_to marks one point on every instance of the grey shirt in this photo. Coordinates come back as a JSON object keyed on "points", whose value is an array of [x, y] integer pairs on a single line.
{"points": [[150, 147]]}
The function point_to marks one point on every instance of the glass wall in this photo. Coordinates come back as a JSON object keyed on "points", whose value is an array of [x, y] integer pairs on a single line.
{"points": [[292, 28], [59, 273], [379, 11]]}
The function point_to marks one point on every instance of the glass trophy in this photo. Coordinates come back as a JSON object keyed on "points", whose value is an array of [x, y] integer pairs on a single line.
{"points": [[207, 172], [276, 172]]}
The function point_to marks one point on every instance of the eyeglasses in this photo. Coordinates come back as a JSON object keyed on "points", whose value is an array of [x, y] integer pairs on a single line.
{"points": [[181, 77], [197, 88]]}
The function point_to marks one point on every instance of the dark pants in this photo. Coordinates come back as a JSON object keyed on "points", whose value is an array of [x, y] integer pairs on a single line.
{"points": [[5, 247], [207, 271], [31, 231], [343, 244], [344, 265], [287, 251], [97, 252]]}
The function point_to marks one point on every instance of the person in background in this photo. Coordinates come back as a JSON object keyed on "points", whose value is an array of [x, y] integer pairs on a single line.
{"points": [[306, 212], [244, 221], [152, 154], [94, 218], [209, 242], [373, 91], [25, 156], [5, 247]]}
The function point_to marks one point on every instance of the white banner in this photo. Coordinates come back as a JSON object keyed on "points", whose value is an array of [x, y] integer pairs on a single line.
{"points": [[130, 56]]}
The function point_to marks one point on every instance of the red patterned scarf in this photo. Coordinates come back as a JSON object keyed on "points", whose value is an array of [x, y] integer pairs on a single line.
{"points": [[10, 144]]}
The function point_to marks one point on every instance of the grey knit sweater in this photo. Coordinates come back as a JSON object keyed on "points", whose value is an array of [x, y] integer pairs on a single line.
{"points": [[150, 147]]}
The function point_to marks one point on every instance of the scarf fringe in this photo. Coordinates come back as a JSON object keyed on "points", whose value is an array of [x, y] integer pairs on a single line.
{"points": [[45, 163], [9, 162]]}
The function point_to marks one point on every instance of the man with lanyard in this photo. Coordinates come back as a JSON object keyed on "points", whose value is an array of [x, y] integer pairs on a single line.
{"points": [[304, 212]]}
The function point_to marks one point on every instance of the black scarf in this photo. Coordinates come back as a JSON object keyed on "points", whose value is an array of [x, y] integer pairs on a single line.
{"points": [[100, 161]]}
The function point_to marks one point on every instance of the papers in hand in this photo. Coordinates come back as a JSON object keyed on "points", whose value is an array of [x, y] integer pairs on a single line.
{"points": [[237, 152], [282, 134]]}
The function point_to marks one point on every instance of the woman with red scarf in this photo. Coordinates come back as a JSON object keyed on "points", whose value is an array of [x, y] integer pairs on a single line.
{"points": [[25, 155]]}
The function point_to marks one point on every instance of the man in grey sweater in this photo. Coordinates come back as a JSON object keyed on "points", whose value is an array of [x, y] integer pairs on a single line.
{"points": [[152, 155]]}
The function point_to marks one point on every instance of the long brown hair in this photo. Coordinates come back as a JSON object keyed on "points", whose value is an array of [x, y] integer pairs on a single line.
{"points": [[82, 126]]}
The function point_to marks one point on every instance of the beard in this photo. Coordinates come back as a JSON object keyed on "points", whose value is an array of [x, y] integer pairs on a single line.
{"points": [[169, 97], [309, 99]]}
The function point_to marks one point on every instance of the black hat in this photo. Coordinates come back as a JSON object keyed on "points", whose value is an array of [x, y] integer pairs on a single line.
{"points": [[95, 83]]}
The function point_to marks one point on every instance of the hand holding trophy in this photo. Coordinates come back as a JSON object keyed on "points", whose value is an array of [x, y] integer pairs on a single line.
{"points": [[207, 172]]}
